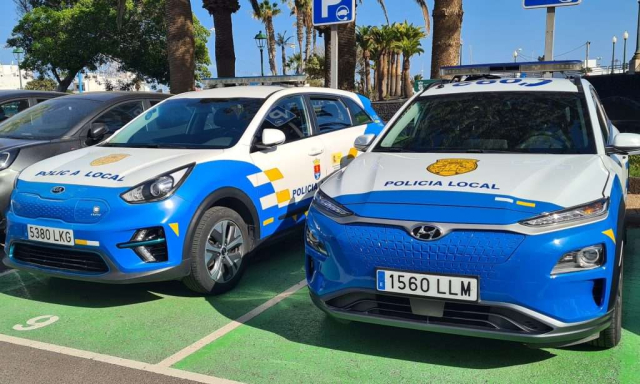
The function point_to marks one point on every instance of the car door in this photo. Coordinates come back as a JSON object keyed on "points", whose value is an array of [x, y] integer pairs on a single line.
{"points": [[115, 117], [293, 168], [618, 163], [12, 107], [337, 128]]}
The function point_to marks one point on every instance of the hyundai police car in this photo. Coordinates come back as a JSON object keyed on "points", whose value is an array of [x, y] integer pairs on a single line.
{"points": [[491, 207], [187, 189]]}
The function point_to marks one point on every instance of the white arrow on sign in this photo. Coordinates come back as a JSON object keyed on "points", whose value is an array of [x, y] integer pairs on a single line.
{"points": [[325, 6]]}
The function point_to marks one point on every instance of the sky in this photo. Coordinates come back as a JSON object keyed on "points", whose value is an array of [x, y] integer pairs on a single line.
{"points": [[492, 30]]}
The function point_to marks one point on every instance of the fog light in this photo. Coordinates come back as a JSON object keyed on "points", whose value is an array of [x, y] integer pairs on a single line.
{"points": [[584, 259], [149, 244], [314, 241]]}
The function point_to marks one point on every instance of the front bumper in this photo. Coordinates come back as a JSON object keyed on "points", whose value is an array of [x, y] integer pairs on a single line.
{"points": [[100, 242]]}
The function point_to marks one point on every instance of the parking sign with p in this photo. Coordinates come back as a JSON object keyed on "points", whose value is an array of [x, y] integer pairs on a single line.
{"points": [[327, 12]]}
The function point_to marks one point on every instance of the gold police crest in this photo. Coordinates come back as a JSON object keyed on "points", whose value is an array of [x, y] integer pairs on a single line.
{"points": [[452, 167], [108, 159]]}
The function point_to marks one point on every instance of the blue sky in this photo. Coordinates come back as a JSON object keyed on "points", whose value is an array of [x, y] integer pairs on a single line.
{"points": [[492, 29]]}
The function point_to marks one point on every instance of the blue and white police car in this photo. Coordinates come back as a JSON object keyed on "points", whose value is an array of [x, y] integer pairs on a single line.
{"points": [[188, 189], [490, 207]]}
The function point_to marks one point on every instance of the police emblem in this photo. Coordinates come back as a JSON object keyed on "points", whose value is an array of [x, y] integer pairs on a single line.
{"points": [[452, 167], [316, 169], [108, 160]]}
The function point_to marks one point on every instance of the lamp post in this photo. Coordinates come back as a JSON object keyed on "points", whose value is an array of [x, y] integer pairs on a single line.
{"points": [[261, 41], [625, 36], [515, 56], [17, 53], [613, 56], [461, 43]]}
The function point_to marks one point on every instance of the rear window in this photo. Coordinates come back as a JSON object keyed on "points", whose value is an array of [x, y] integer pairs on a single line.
{"points": [[359, 116], [511, 122]]}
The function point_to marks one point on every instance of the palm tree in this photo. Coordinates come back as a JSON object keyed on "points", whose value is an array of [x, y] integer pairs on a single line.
{"points": [[221, 10], [295, 62], [364, 39], [265, 12], [447, 25], [410, 45], [282, 41], [180, 46], [298, 8]]}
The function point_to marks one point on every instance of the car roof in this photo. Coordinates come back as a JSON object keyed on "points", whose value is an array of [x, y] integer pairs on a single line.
{"points": [[504, 85], [6, 93], [111, 96], [258, 92]]}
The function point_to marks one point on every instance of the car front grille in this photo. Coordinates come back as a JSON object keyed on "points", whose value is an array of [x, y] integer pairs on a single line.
{"points": [[69, 260], [456, 314], [461, 252], [83, 211]]}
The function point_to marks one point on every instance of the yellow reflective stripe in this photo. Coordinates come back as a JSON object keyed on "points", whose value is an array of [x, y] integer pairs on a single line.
{"points": [[283, 196], [526, 204], [268, 221], [175, 228], [353, 152], [81, 242], [274, 174], [609, 233]]}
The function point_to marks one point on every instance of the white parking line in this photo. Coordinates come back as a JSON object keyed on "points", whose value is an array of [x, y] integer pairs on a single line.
{"points": [[7, 272], [181, 355], [166, 371]]}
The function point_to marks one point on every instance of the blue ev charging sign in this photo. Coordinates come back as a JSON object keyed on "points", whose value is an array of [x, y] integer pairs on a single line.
{"points": [[327, 12], [549, 3]]}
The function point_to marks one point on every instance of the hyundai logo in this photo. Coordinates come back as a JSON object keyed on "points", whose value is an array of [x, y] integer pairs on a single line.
{"points": [[57, 189], [426, 232]]}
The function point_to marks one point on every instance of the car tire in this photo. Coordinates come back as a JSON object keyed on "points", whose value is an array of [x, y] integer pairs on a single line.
{"points": [[215, 268], [611, 336]]}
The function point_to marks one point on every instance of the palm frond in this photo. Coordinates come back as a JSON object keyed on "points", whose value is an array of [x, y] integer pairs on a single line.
{"points": [[425, 15]]}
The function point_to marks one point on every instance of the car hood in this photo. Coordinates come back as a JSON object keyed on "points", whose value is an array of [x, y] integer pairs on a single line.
{"points": [[528, 183], [8, 144], [113, 167]]}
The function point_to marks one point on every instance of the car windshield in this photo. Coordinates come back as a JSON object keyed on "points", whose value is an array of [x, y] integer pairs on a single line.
{"points": [[497, 122], [189, 123], [49, 120]]}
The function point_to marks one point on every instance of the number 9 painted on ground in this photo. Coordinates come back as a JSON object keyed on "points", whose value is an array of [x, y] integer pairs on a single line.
{"points": [[36, 323]]}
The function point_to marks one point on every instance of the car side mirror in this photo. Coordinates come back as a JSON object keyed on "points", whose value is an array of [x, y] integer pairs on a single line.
{"points": [[272, 137], [97, 131], [627, 143], [363, 142]]}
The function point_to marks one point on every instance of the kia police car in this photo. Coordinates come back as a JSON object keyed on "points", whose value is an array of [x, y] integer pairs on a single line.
{"points": [[490, 207], [187, 189]]}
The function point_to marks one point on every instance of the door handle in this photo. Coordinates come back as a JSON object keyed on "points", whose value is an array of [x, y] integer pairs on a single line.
{"points": [[316, 151]]}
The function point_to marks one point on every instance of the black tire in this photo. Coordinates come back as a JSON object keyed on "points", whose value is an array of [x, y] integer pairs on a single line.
{"points": [[200, 279], [611, 336]]}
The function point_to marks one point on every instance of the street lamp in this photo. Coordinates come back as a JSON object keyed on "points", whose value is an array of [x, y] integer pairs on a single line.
{"points": [[625, 36], [461, 43], [261, 41], [17, 53], [515, 56], [613, 57]]}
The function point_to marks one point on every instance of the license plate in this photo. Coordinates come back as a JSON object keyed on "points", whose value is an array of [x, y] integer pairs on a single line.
{"points": [[50, 235], [436, 286]]}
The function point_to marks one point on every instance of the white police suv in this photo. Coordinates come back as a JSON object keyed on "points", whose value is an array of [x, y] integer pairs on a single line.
{"points": [[489, 207], [187, 189]]}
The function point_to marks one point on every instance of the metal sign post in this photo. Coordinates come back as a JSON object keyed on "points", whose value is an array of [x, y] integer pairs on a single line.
{"points": [[333, 12], [550, 34]]}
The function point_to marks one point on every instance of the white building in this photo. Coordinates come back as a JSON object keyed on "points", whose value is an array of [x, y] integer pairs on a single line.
{"points": [[9, 78], [106, 77]]}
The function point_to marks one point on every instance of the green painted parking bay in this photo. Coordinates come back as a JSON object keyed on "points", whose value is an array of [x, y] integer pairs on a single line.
{"points": [[295, 342], [147, 323]]}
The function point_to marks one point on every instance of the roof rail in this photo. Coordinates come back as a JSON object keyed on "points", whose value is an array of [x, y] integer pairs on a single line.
{"points": [[286, 81]]}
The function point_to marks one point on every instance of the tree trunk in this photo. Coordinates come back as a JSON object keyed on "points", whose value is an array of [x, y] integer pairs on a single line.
{"points": [[406, 75], [383, 76], [284, 60], [388, 73], [392, 74], [271, 42], [367, 72], [399, 63], [347, 56], [447, 25], [300, 36], [327, 57], [63, 84], [180, 46], [307, 48], [225, 50]]}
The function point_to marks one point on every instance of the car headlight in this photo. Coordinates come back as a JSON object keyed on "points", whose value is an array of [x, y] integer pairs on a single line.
{"points": [[583, 212], [158, 188], [7, 158], [581, 260], [330, 206]]}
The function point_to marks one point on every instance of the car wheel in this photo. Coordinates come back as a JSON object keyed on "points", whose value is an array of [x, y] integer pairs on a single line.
{"points": [[218, 252], [611, 336]]}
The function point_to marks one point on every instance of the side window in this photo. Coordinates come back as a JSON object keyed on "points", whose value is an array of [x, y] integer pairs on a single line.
{"points": [[10, 108], [38, 101], [153, 102], [121, 114], [359, 116], [331, 114], [288, 115], [602, 117]]}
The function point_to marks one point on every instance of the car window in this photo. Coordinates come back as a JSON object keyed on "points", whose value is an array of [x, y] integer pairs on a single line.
{"points": [[38, 101], [359, 116], [11, 108], [331, 114], [288, 115], [496, 122], [118, 116], [602, 117], [48, 120], [190, 123], [153, 102]]}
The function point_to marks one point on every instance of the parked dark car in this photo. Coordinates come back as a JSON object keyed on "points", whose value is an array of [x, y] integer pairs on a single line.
{"points": [[13, 102], [61, 125]]}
